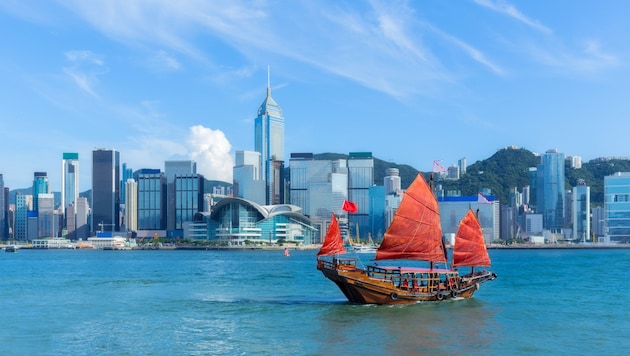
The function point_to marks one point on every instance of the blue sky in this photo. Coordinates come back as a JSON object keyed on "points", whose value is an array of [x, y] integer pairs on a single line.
{"points": [[412, 82]]}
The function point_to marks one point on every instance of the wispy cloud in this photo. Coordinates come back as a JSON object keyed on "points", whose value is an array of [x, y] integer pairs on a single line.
{"points": [[589, 58], [162, 60], [505, 8], [84, 69]]}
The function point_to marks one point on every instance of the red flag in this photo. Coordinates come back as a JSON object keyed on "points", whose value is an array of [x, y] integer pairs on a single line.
{"points": [[482, 200], [350, 206]]}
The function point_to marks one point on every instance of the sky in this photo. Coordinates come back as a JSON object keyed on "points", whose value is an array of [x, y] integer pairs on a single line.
{"points": [[410, 81]]}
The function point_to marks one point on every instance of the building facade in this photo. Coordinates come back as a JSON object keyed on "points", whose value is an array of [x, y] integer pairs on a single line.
{"points": [[151, 201], [617, 208], [105, 190], [4, 205], [188, 191], [69, 183], [237, 222], [581, 212], [453, 210], [40, 186], [360, 179], [171, 169], [550, 191], [248, 182], [269, 142], [131, 205]]}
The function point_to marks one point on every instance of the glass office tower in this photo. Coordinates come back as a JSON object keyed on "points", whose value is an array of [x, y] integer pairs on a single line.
{"points": [[105, 190], [188, 197], [269, 142], [360, 179], [151, 201], [40, 186], [617, 207], [550, 190]]}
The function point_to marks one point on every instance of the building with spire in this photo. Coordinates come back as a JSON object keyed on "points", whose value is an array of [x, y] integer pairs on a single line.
{"points": [[269, 142]]}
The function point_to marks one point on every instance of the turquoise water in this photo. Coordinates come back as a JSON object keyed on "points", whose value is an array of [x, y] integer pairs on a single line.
{"points": [[80, 302]]}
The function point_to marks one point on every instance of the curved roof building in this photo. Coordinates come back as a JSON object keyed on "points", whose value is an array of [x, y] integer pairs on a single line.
{"points": [[237, 220]]}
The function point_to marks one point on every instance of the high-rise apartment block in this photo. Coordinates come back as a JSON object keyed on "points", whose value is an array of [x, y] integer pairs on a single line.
{"points": [[131, 205]]}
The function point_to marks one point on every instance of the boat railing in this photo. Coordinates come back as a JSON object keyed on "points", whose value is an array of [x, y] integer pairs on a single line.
{"points": [[345, 264], [427, 283]]}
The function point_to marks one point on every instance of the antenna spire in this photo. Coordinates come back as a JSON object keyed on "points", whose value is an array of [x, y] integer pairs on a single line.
{"points": [[268, 81]]}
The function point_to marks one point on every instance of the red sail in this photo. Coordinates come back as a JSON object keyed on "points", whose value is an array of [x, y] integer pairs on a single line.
{"points": [[470, 247], [415, 232], [333, 243]]}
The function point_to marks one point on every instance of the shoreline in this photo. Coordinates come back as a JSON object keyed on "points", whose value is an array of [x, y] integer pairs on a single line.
{"points": [[316, 247]]}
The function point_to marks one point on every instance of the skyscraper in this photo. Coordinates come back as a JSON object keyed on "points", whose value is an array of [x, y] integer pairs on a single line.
{"points": [[188, 197], [69, 184], [269, 141], [105, 190], [3, 210], [23, 203], [40, 186], [151, 200], [131, 205], [171, 170], [550, 190], [360, 179], [247, 181], [617, 208], [581, 211]]}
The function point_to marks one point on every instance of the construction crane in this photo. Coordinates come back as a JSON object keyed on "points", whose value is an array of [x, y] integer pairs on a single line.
{"points": [[102, 224]]}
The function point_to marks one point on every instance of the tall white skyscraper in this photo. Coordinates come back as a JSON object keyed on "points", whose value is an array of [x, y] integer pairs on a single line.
{"points": [[69, 185], [269, 142]]}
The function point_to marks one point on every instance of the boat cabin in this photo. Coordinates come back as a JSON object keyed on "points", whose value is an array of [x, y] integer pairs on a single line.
{"points": [[416, 279]]}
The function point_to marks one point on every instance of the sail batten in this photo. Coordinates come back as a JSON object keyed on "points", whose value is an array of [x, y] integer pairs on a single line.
{"points": [[470, 247], [415, 232]]}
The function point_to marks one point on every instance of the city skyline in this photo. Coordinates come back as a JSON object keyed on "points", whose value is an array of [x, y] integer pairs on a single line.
{"points": [[411, 83]]}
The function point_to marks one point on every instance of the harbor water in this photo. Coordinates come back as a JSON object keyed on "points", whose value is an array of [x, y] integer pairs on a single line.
{"points": [[177, 302]]}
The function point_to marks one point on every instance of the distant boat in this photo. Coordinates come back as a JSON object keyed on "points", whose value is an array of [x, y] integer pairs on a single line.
{"points": [[364, 248], [11, 248], [414, 235]]}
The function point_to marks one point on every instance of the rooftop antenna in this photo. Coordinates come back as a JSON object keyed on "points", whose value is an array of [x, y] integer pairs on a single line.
{"points": [[268, 81]]}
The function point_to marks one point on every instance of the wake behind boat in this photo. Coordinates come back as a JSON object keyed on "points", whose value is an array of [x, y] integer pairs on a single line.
{"points": [[415, 234]]}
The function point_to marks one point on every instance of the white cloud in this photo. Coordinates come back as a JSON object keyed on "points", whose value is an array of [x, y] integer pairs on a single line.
{"points": [[510, 10], [211, 150], [84, 69], [163, 60]]}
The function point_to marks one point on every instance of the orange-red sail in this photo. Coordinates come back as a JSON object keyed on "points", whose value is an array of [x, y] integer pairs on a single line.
{"points": [[333, 243], [415, 232], [470, 247]]}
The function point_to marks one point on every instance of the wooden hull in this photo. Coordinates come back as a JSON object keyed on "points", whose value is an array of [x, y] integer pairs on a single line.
{"points": [[362, 288]]}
